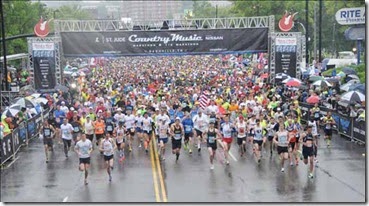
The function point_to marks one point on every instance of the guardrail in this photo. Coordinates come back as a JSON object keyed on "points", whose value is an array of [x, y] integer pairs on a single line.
{"points": [[345, 126], [20, 136]]}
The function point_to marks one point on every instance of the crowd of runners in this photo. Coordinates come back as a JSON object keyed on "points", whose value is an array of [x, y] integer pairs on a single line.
{"points": [[194, 103]]}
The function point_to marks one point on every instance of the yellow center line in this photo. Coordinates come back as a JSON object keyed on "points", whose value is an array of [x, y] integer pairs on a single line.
{"points": [[154, 175], [164, 193]]}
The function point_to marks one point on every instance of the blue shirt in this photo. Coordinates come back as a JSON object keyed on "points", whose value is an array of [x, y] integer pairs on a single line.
{"points": [[187, 125], [59, 113]]}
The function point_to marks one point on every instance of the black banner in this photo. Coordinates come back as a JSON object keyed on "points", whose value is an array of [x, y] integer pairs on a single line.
{"points": [[31, 128], [6, 148], [285, 55], [305, 111], [44, 69], [16, 139], [345, 125], [164, 42], [22, 128], [359, 130], [38, 122]]}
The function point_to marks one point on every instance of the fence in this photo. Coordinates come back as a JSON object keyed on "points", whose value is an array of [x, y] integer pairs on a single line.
{"points": [[345, 126], [11, 143]]}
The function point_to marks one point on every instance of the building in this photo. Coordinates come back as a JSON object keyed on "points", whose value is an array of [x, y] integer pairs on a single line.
{"points": [[143, 10]]}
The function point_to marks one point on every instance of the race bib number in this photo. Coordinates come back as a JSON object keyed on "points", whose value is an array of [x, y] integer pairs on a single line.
{"points": [[76, 129], [109, 128], [188, 129], [47, 132], [211, 139]]}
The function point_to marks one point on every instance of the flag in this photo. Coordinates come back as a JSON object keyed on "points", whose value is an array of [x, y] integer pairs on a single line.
{"points": [[204, 100]]}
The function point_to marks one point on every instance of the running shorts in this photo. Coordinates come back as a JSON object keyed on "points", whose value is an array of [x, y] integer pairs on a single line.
{"points": [[282, 149], [240, 140], [86, 160]]}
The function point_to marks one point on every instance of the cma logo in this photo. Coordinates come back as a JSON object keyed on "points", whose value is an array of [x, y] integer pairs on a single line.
{"points": [[285, 56]]}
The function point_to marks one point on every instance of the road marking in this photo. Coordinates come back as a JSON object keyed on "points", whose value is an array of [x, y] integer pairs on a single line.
{"points": [[230, 154], [156, 186], [65, 199], [10, 164], [164, 193]]}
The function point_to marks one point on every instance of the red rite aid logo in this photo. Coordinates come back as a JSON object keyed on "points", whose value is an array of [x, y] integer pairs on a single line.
{"points": [[286, 22], [41, 29]]}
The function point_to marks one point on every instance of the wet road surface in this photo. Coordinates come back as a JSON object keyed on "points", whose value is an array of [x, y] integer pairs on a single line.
{"points": [[340, 177]]}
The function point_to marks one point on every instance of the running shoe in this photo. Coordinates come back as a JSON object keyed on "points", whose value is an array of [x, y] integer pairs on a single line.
{"points": [[227, 162], [110, 178], [259, 160], [86, 183], [190, 151], [311, 175], [291, 164], [300, 154], [199, 149], [139, 146], [146, 151], [212, 167], [122, 159], [130, 149], [282, 170]]}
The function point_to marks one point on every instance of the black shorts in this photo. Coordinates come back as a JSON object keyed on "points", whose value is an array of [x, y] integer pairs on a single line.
{"points": [[259, 142], [270, 138], [176, 144], [99, 136], [240, 140], [148, 132], [316, 119], [90, 137], [84, 160], [292, 145], [48, 141], [251, 133], [75, 136], [107, 158], [131, 132], [282, 149], [198, 133], [307, 152], [187, 136], [213, 146], [328, 132]]}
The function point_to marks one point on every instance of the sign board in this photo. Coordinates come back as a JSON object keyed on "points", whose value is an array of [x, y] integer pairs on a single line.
{"points": [[355, 33], [349, 16], [285, 56], [125, 43]]}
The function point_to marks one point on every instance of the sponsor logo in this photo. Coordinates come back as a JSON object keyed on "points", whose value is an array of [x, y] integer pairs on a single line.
{"points": [[41, 29], [286, 22]]}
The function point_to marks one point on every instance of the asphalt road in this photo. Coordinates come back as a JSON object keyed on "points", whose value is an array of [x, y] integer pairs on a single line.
{"points": [[340, 177]]}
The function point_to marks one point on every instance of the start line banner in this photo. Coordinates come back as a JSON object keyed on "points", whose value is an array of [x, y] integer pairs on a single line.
{"points": [[164, 42]]}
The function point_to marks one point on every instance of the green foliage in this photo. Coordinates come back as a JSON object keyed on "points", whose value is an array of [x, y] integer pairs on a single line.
{"points": [[22, 16], [360, 69]]}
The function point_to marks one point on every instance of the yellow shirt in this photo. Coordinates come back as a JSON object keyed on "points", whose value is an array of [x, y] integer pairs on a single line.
{"points": [[219, 101]]}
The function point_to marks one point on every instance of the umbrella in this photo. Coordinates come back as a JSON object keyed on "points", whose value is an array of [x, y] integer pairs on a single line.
{"points": [[282, 76], [346, 87], [353, 76], [61, 88], [322, 83], [353, 96], [41, 100], [341, 74], [332, 80], [315, 78], [293, 83], [36, 95], [348, 70], [291, 79], [27, 88], [264, 76], [313, 99], [12, 110], [24, 102], [354, 81], [357, 87]]}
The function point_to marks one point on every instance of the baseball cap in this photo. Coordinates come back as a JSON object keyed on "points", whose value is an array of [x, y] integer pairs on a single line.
{"points": [[278, 109], [62, 102], [119, 109], [72, 109], [177, 118]]}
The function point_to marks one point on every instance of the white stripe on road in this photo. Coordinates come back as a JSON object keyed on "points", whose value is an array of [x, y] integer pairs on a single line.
{"points": [[230, 154], [65, 199], [10, 164]]}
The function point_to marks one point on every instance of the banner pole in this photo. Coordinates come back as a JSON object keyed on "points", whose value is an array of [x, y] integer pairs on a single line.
{"points": [[26, 133], [13, 144]]}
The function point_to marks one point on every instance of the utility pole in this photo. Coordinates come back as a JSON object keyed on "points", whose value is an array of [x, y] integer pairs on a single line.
{"points": [[5, 74], [216, 11], [320, 30], [334, 32], [315, 28], [307, 32]]}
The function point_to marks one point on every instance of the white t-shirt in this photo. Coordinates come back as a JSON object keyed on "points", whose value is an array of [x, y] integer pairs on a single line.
{"points": [[162, 117], [241, 129], [119, 117], [146, 124], [65, 109], [200, 123], [83, 148], [66, 131], [212, 108], [129, 121], [108, 147], [89, 129]]}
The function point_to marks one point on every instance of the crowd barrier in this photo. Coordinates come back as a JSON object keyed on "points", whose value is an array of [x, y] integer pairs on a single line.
{"points": [[20, 136], [345, 125]]}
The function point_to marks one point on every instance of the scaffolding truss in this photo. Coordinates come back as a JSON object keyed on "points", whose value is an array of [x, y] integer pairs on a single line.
{"points": [[300, 54], [57, 42], [182, 24]]}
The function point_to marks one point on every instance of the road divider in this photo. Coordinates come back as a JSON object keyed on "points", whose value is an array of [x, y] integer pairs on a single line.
{"points": [[158, 172]]}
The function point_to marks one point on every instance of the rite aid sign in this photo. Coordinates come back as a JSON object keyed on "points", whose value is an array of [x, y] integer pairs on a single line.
{"points": [[349, 16]]}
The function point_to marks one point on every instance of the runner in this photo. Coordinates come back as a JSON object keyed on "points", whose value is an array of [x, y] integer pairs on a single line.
{"points": [[188, 130], [226, 129], [211, 136], [59, 115], [76, 129], [119, 134], [89, 128], [139, 130], [315, 112], [308, 141], [147, 128], [258, 140], [271, 132], [46, 132], [177, 133], [99, 127], [241, 126], [312, 122], [281, 139], [108, 147], [83, 149], [67, 135], [163, 129], [129, 121], [328, 123], [200, 124]]}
